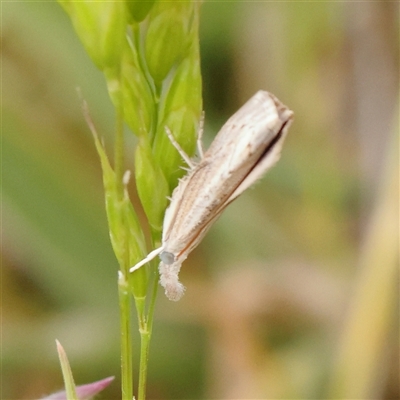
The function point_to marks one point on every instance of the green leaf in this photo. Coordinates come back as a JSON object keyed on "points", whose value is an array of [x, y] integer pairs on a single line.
{"points": [[131, 93], [183, 125], [139, 8], [126, 235], [101, 26], [167, 37], [151, 185], [180, 111]]}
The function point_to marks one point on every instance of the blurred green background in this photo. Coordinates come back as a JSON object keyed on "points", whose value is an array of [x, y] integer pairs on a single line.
{"points": [[294, 292]]}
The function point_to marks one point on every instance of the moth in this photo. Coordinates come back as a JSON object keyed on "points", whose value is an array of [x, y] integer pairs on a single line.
{"points": [[247, 145]]}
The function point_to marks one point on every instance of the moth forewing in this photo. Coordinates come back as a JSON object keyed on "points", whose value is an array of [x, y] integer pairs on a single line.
{"points": [[268, 160], [175, 204], [257, 111], [247, 145]]}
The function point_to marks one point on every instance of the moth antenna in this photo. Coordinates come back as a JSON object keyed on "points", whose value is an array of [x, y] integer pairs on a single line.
{"points": [[200, 149], [179, 148], [148, 258]]}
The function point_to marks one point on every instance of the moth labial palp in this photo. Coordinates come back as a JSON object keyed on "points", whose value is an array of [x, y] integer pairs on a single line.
{"points": [[247, 145]]}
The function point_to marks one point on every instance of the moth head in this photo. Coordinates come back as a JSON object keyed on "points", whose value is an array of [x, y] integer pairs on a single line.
{"points": [[167, 258]]}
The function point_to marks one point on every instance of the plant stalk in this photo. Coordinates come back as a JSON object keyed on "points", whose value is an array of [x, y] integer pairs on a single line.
{"points": [[126, 338]]}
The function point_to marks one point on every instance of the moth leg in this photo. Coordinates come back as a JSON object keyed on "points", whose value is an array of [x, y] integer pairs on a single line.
{"points": [[200, 149], [148, 258], [179, 148]]}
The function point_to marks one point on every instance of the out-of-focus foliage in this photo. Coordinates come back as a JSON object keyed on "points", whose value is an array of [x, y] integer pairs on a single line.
{"points": [[293, 292]]}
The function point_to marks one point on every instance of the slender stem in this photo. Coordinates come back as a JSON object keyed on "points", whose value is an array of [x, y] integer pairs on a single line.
{"points": [[123, 285], [144, 358], [153, 302], [145, 329], [126, 338]]}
